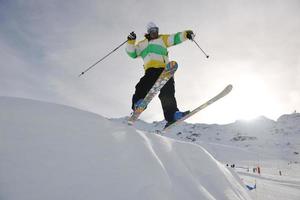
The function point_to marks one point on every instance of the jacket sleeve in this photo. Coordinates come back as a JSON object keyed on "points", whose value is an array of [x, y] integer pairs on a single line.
{"points": [[174, 39], [131, 49]]}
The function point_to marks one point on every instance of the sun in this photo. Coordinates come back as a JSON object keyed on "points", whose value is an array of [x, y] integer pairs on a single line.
{"points": [[252, 98]]}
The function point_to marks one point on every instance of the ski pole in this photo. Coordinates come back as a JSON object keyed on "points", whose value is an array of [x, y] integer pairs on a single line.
{"points": [[102, 59], [207, 56]]}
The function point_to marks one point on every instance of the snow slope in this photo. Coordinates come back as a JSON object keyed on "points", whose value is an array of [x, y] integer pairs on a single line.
{"points": [[274, 146], [50, 151]]}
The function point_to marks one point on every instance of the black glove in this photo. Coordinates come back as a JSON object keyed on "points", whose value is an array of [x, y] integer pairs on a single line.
{"points": [[131, 36], [190, 34]]}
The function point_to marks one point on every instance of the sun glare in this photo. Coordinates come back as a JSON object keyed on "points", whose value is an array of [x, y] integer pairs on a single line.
{"points": [[251, 98]]}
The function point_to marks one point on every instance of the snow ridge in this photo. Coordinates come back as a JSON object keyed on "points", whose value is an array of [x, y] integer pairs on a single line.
{"points": [[50, 151]]}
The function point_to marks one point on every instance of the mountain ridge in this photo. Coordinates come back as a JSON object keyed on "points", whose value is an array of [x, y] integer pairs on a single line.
{"points": [[278, 139]]}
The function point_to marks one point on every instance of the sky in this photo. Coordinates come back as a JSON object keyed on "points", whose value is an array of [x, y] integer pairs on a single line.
{"points": [[253, 45]]}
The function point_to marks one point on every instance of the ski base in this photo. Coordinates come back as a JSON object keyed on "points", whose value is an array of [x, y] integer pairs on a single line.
{"points": [[224, 92]]}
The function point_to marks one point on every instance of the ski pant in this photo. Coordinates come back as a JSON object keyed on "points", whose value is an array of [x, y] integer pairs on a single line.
{"points": [[166, 96]]}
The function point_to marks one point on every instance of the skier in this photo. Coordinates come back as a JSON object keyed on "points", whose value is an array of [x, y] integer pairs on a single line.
{"points": [[153, 50]]}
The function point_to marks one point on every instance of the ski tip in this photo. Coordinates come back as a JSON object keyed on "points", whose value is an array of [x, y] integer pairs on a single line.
{"points": [[172, 65], [229, 87]]}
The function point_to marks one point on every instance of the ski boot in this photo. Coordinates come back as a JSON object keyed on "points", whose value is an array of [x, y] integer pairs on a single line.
{"points": [[177, 116], [139, 105]]}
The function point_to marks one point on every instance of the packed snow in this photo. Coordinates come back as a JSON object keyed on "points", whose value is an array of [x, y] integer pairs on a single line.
{"points": [[50, 151], [246, 145]]}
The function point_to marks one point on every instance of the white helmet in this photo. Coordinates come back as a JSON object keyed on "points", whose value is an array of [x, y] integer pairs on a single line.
{"points": [[150, 26]]}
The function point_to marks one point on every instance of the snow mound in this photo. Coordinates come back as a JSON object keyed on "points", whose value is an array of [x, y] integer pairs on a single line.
{"points": [[50, 151]]}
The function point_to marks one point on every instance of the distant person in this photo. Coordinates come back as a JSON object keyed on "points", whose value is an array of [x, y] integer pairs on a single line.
{"points": [[258, 170]]}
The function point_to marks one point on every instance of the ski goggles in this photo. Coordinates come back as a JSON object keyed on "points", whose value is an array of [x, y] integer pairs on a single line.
{"points": [[153, 29]]}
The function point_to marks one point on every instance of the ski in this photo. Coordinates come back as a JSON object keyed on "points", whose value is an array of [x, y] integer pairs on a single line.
{"points": [[225, 91], [168, 72]]}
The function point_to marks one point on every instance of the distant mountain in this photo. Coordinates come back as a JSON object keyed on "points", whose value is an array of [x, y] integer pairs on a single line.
{"points": [[260, 138]]}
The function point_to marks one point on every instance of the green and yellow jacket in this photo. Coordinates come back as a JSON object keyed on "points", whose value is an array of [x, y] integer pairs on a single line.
{"points": [[154, 52]]}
